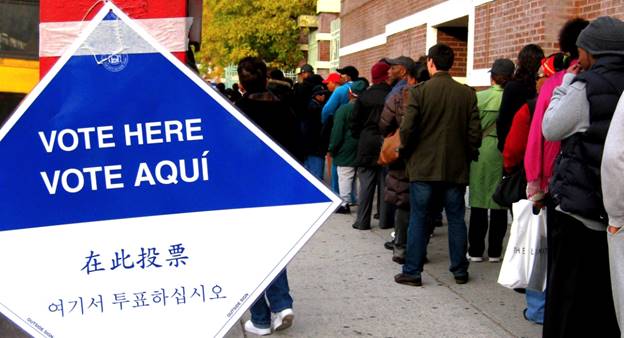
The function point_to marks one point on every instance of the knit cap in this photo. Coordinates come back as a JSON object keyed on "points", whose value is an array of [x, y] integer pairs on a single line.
{"points": [[604, 35], [379, 72]]}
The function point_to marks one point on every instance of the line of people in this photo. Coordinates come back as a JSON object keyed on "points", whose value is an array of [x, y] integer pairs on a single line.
{"points": [[545, 119]]}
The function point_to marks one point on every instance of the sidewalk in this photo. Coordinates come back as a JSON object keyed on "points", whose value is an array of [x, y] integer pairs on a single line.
{"points": [[343, 285]]}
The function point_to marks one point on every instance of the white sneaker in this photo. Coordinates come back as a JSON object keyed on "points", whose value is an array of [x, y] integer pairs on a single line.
{"points": [[251, 328], [494, 259], [283, 319], [474, 259]]}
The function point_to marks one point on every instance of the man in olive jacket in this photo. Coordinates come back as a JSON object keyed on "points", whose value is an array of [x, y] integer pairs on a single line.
{"points": [[440, 136]]}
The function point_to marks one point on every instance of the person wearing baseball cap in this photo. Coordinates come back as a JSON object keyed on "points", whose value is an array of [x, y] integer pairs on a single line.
{"points": [[503, 67], [349, 73], [306, 69], [397, 78], [579, 115], [333, 81], [397, 185], [399, 69], [340, 95]]}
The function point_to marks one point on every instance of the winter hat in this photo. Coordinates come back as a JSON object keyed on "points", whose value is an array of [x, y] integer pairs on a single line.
{"points": [[604, 35], [357, 88], [379, 72], [554, 63], [319, 90]]}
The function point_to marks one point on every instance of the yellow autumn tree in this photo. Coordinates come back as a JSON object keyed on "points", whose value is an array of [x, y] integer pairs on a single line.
{"points": [[233, 29]]}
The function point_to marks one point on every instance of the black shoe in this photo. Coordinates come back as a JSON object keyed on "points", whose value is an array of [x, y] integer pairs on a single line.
{"points": [[386, 226], [389, 245], [408, 280], [398, 260], [357, 227], [461, 279], [376, 216], [343, 209]]}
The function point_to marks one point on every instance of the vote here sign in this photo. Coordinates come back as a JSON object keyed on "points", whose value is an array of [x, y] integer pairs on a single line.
{"points": [[138, 202]]}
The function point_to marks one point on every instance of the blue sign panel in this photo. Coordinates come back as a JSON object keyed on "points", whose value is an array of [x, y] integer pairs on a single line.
{"points": [[135, 139]]}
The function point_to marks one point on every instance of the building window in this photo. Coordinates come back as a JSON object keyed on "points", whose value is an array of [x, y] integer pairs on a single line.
{"points": [[19, 29]]}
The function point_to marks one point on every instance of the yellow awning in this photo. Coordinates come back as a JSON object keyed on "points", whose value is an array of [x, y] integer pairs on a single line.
{"points": [[18, 76]]}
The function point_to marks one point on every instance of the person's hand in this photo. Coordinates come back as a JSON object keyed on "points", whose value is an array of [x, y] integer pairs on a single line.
{"points": [[574, 69], [613, 229], [539, 204]]}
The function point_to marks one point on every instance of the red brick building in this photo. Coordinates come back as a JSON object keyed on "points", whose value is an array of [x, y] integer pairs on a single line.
{"points": [[479, 31]]}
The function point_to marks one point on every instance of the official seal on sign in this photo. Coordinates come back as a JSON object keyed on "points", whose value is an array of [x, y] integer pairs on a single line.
{"points": [[115, 62]]}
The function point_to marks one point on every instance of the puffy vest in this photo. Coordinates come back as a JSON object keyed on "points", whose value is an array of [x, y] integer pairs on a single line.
{"points": [[575, 185]]}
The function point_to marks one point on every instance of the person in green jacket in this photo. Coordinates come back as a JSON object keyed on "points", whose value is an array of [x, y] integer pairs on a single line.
{"points": [[487, 171], [343, 147]]}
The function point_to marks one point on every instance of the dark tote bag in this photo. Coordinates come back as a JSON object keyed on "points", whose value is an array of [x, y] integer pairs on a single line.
{"points": [[511, 188]]}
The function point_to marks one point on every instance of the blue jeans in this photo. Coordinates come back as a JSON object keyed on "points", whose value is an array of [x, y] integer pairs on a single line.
{"points": [[536, 301], [315, 165], [279, 299], [417, 234], [334, 180]]}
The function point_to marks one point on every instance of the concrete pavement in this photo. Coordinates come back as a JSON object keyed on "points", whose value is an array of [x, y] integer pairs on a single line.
{"points": [[343, 286]]}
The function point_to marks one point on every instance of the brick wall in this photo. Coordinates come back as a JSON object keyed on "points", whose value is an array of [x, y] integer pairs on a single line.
{"points": [[410, 43], [456, 38], [363, 22], [324, 22], [591, 9], [347, 6], [398, 9], [364, 60], [369, 17], [503, 27]]}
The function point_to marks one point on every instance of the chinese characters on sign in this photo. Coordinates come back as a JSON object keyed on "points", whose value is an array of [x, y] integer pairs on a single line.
{"points": [[146, 258]]}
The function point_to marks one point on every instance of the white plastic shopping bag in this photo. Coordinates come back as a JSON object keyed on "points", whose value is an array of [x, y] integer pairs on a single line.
{"points": [[525, 261]]}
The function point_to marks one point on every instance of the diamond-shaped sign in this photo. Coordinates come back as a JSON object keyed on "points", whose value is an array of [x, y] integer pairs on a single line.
{"points": [[138, 202]]}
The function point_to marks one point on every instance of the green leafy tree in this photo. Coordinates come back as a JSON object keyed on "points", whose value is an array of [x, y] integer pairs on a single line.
{"points": [[233, 29]]}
